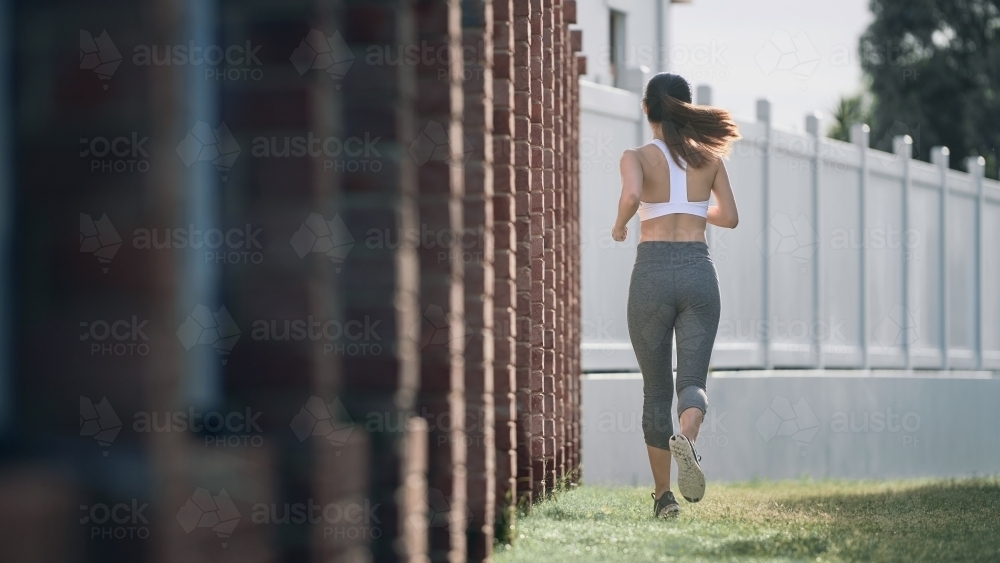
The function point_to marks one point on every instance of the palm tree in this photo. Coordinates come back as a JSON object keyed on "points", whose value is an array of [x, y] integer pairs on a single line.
{"points": [[849, 110]]}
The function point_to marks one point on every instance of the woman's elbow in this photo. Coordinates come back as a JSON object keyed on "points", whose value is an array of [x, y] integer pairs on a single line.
{"points": [[629, 200]]}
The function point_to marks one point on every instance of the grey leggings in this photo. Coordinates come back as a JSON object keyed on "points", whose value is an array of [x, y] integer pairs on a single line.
{"points": [[674, 286]]}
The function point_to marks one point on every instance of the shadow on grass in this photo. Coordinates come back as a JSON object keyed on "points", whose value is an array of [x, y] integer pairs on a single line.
{"points": [[942, 521]]}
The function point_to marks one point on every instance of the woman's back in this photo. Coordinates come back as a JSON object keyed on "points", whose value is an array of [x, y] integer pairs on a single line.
{"points": [[656, 188]]}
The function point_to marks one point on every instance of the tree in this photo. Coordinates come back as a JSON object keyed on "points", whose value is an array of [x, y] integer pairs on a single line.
{"points": [[934, 70], [849, 110]]}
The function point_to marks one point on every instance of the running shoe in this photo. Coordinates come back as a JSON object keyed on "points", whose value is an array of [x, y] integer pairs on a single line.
{"points": [[666, 506], [690, 478]]}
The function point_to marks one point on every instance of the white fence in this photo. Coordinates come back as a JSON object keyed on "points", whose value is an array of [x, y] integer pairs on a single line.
{"points": [[844, 257]]}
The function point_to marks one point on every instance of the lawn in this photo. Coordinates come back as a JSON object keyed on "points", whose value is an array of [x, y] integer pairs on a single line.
{"points": [[906, 521]]}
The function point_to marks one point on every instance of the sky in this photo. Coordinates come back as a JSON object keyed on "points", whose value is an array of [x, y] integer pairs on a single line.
{"points": [[803, 55]]}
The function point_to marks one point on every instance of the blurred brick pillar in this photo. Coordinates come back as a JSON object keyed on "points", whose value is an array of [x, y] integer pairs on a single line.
{"points": [[561, 214], [549, 379], [383, 282], [577, 68], [444, 332], [505, 264], [537, 244], [522, 181], [477, 255]]}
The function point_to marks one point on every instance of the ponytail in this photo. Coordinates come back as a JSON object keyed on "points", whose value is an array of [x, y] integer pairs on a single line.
{"points": [[694, 135]]}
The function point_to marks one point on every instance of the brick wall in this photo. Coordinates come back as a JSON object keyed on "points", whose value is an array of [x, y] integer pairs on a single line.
{"points": [[455, 242], [505, 105]]}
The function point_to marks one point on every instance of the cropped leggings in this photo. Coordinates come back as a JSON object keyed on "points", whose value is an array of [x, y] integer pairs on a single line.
{"points": [[674, 287]]}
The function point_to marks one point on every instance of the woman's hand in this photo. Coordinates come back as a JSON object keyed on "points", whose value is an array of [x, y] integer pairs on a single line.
{"points": [[619, 234]]}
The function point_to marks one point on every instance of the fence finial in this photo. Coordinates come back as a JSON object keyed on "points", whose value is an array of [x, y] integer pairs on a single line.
{"points": [[859, 134], [703, 96], [813, 121], [940, 156], [976, 165], [764, 110], [903, 144]]}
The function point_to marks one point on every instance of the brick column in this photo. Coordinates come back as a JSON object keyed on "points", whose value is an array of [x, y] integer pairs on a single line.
{"points": [[378, 100], [561, 254], [578, 68], [505, 263], [523, 176], [536, 239], [548, 249], [444, 333], [477, 256]]}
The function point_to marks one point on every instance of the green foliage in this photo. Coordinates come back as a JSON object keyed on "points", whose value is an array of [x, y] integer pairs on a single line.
{"points": [[849, 110], [934, 69], [800, 520]]}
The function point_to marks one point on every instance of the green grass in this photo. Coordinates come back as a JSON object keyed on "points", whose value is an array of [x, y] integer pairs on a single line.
{"points": [[906, 521]]}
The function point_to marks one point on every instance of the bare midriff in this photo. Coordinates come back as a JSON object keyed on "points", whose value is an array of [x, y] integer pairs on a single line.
{"points": [[679, 227]]}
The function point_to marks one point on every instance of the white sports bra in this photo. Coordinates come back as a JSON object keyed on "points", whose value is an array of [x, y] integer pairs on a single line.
{"points": [[678, 194]]}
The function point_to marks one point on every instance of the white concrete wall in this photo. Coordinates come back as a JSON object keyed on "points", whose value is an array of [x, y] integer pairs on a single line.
{"points": [[852, 424]]}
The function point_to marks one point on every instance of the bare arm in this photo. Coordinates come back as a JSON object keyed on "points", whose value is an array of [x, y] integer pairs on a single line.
{"points": [[628, 203], [724, 212]]}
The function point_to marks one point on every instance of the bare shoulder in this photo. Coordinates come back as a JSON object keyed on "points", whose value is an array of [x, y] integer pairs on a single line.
{"points": [[644, 155], [631, 157]]}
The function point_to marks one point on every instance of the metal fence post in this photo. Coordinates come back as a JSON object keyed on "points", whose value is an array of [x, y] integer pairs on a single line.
{"points": [[764, 116], [939, 157], [812, 127], [976, 167], [859, 137], [902, 145]]}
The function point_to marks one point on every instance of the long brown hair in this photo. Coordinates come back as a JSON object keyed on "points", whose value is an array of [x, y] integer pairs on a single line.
{"points": [[695, 135]]}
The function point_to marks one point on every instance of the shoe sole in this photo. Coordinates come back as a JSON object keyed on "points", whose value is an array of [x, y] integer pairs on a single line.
{"points": [[690, 478], [668, 511]]}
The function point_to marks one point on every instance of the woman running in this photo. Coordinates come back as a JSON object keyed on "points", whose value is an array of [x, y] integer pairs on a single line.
{"points": [[674, 285]]}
